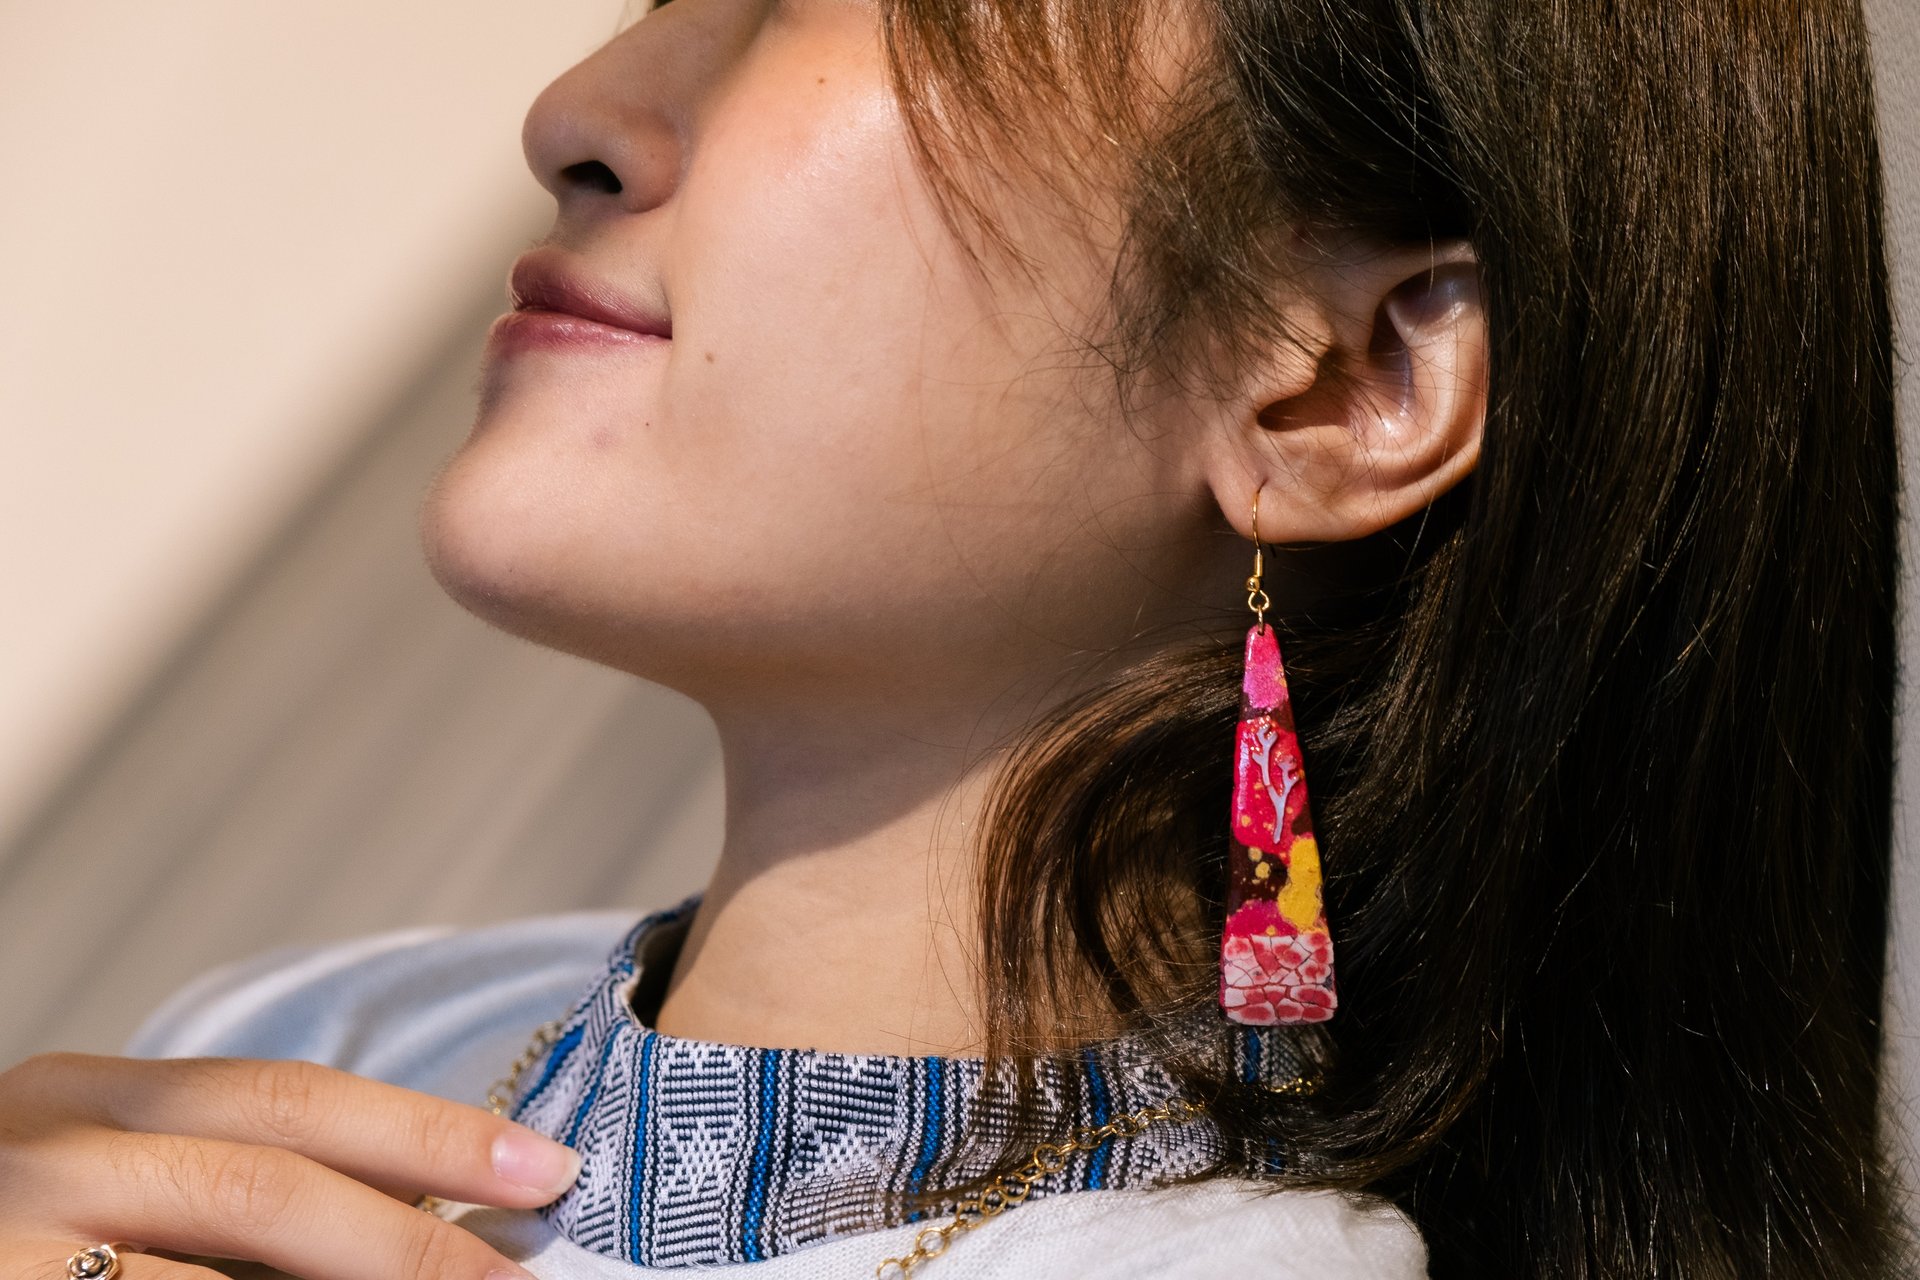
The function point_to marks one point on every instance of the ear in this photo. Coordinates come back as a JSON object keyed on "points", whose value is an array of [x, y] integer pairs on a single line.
{"points": [[1377, 410]]}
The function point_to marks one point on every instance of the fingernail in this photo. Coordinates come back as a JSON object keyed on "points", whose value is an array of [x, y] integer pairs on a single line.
{"points": [[515, 1274], [535, 1161]]}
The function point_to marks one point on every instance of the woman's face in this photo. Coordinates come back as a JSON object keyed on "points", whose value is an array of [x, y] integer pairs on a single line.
{"points": [[851, 471]]}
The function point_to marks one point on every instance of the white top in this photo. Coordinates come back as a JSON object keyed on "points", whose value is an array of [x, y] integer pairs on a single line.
{"points": [[444, 1010]]}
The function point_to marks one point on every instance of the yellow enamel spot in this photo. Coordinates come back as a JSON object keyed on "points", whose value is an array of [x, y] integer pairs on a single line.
{"points": [[1246, 819], [1262, 870], [1255, 854], [1299, 898]]}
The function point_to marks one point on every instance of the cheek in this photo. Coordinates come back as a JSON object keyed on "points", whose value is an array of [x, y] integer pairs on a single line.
{"points": [[849, 438], [806, 260], [777, 441], [841, 355]]}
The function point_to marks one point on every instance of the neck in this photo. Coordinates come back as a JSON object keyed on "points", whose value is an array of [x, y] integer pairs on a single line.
{"points": [[842, 913]]}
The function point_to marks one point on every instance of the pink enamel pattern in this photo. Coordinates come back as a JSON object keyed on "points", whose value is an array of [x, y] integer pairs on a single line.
{"points": [[1276, 956]]}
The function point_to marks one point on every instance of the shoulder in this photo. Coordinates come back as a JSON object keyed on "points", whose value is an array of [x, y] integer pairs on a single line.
{"points": [[1196, 1231], [1224, 1227], [440, 1008]]}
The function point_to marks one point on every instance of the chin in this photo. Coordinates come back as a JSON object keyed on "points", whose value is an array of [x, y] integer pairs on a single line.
{"points": [[482, 536], [497, 544]]}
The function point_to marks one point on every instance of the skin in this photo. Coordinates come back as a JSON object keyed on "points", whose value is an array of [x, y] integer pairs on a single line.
{"points": [[867, 507], [303, 1167]]}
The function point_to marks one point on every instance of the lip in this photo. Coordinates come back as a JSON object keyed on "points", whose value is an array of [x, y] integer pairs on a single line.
{"points": [[556, 305]]}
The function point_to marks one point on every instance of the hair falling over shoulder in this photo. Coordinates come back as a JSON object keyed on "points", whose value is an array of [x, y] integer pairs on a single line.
{"points": [[1602, 753]]}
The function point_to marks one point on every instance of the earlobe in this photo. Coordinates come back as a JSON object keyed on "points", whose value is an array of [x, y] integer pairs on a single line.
{"points": [[1393, 416]]}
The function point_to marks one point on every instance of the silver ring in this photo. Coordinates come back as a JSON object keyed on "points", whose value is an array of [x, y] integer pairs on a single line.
{"points": [[95, 1262]]}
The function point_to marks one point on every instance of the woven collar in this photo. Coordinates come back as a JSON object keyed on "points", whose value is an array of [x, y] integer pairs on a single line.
{"points": [[697, 1152]]}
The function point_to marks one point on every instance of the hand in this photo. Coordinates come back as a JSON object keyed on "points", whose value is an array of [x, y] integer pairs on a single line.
{"points": [[306, 1168]]}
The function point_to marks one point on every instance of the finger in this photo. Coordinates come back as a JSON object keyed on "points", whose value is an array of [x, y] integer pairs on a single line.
{"points": [[400, 1140], [240, 1200], [47, 1260]]}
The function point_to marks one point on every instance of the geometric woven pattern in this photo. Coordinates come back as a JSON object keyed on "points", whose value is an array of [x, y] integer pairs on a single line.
{"points": [[695, 1152]]}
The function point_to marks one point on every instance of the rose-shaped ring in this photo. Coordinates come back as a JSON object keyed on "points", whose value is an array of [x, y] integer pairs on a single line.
{"points": [[95, 1262]]}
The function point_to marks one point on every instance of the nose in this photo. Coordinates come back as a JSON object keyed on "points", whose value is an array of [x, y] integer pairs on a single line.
{"points": [[612, 135]]}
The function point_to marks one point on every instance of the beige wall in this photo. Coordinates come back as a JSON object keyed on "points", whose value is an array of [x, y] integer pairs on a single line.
{"points": [[232, 229], [235, 711]]}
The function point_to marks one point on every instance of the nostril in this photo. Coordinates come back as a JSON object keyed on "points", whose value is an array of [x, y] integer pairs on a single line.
{"points": [[592, 175]]}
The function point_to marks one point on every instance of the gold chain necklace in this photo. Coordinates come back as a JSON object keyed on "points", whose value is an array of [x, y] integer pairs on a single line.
{"points": [[500, 1094], [1010, 1189], [999, 1195]]}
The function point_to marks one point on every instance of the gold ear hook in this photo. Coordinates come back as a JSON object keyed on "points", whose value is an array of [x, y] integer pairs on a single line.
{"points": [[1256, 597]]}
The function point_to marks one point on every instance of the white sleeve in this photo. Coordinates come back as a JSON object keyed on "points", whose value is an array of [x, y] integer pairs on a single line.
{"points": [[438, 1008], [250, 1002], [1287, 1235], [1198, 1231]]}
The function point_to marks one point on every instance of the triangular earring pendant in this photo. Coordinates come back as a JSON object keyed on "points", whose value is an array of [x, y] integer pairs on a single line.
{"points": [[1276, 956]]}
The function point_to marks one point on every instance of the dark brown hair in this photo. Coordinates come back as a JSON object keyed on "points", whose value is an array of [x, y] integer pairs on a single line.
{"points": [[1601, 745]]}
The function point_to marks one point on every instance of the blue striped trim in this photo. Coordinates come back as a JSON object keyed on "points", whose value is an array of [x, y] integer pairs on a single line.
{"points": [[762, 1149], [562, 1047], [678, 1176], [1253, 1045], [930, 1135], [593, 1091], [638, 1186], [1097, 1166]]}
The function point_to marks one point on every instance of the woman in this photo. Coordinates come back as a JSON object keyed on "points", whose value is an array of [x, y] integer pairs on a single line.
{"points": [[916, 385]]}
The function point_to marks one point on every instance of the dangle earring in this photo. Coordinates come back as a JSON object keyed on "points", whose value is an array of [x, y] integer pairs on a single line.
{"points": [[1276, 957]]}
